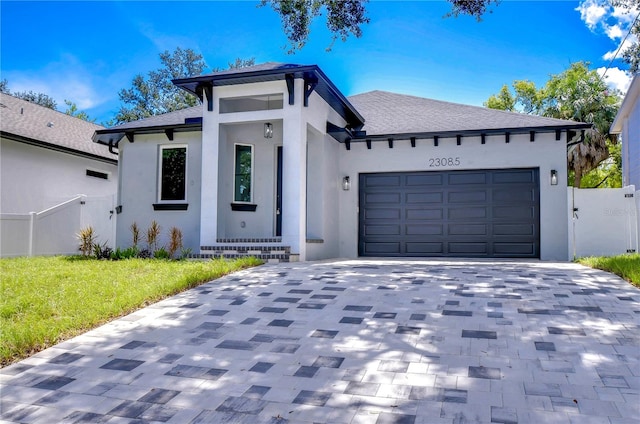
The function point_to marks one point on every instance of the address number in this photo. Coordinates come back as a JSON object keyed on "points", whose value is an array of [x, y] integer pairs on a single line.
{"points": [[444, 161]]}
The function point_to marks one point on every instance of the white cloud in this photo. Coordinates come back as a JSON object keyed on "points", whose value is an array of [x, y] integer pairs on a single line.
{"points": [[614, 31], [616, 78], [625, 45], [593, 12]]}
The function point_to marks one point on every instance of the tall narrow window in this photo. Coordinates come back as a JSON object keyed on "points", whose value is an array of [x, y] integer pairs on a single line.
{"points": [[243, 169], [173, 173]]}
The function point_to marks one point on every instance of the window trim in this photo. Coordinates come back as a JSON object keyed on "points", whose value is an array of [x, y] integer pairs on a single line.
{"points": [[251, 178], [161, 149]]}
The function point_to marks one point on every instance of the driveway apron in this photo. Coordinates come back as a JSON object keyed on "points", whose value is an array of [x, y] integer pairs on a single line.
{"points": [[354, 341]]}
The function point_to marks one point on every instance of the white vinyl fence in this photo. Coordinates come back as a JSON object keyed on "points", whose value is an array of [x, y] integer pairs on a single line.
{"points": [[603, 221], [53, 231]]}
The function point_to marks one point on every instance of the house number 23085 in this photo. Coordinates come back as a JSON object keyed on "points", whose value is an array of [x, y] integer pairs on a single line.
{"points": [[444, 161]]}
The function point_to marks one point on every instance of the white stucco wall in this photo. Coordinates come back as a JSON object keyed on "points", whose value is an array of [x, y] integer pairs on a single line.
{"points": [[544, 153], [33, 179], [139, 189]]}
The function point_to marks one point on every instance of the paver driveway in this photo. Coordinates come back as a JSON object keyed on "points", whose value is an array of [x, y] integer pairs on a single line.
{"points": [[354, 342]]}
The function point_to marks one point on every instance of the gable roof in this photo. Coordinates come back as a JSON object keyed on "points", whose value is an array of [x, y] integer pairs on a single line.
{"points": [[274, 71], [31, 123], [389, 114]]}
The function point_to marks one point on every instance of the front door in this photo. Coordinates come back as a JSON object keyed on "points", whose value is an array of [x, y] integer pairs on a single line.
{"points": [[279, 192]]}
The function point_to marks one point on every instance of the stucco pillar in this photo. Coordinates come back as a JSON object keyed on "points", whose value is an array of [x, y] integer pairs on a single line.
{"points": [[294, 193], [209, 187]]}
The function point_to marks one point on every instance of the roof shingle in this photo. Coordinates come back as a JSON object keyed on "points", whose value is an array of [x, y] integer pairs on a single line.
{"points": [[40, 124]]}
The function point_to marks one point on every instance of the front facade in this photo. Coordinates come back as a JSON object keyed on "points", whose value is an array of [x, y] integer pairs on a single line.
{"points": [[278, 162]]}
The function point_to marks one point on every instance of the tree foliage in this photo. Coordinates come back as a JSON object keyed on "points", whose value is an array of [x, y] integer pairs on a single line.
{"points": [[577, 94], [155, 94], [72, 110], [631, 54], [30, 96], [4, 86], [344, 17]]}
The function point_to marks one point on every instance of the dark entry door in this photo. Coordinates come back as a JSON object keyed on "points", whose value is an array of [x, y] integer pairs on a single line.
{"points": [[279, 191], [479, 213]]}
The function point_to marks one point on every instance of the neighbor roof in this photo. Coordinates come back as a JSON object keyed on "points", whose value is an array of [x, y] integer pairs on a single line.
{"points": [[629, 102], [391, 114], [31, 123]]}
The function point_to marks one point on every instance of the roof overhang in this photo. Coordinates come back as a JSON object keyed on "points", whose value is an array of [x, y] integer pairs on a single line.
{"points": [[311, 74], [346, 136], [632, 96], [57, 148], [111, 137]]}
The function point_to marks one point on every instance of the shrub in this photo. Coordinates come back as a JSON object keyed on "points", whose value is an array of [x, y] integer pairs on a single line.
{"points": [[135, 234], [87, 239], [102, 251], [161, 254], [153, 232], [175, 241], [144, 254]]}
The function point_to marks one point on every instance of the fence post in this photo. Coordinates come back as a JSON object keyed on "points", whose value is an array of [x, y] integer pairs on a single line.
{"points": [[33, 218]]}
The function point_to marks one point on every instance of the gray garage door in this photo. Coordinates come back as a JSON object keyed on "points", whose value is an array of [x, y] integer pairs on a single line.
{"points": [[479, 213]]}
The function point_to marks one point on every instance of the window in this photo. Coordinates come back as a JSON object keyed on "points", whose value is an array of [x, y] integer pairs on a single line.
{"points": [[97, 174], [242, 173], [251, 103], [173, 173]]}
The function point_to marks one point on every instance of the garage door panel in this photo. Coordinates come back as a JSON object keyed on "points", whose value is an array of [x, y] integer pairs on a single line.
{"points": [[383, 248], [479, 213], [514, 177], [469, 248], [476, 196], [412, 198], [423, 248], [426, 179], [382, 180], [468, 229], [469, 177], [514, 195], [469, 212], [424, 229], [514, 212], [382, 213], [513, 229], [513, 249], [386, 230], [383, 198], [424, 214]]}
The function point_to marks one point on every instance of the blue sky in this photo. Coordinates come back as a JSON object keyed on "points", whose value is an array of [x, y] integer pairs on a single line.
{"points": [[86, 51]]}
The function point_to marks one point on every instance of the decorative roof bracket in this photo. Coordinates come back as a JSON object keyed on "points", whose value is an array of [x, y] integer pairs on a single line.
{"points": [[290, 87], [309, 85]]}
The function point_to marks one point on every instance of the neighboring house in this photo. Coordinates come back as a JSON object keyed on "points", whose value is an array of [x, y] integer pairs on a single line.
{"points": [[627, 124], [278, 161], [46, 159]]}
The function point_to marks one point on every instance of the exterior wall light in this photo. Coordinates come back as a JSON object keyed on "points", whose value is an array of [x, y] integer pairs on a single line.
{"points": [[268, 130], [554, 177], [346, 183]]}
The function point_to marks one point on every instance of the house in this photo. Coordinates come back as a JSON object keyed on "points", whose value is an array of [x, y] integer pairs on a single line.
{"points": [[278, 162], [47, 159], [627, 124]]}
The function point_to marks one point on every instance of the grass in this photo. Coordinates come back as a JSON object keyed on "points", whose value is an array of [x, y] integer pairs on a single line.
{"points": [[626, 266], [46, 300]]}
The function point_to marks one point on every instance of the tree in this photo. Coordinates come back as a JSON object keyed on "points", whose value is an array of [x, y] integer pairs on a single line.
{"points": [[4, 86], [156, 94], [577, 94], [344, 17], [72, 110], [33, 97], [631, 54]]}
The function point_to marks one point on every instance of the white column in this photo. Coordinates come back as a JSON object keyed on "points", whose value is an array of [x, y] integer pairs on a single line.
{"points": [[294, 152], [209, 183]]}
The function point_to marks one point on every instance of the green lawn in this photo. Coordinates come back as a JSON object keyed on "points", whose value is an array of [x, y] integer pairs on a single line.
{"points": [[626, 266], [46, 300]]}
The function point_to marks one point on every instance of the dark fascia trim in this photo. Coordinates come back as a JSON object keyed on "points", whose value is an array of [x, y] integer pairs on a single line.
{"points": [[326, 88], [244, 207], [361, 136], [114, 135], [56, 148], [170, 206]]}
